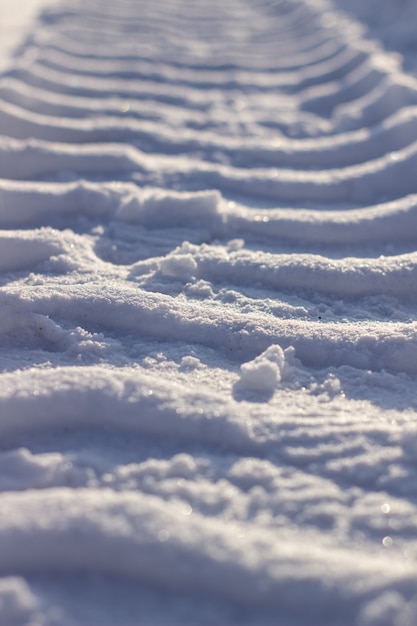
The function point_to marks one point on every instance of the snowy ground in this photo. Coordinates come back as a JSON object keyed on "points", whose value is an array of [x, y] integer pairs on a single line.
{"points": [[16, 23], [208, 314]]}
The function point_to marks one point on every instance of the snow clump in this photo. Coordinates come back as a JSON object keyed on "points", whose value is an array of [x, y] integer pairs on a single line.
{"points": [[264, 372], [180, 266]]}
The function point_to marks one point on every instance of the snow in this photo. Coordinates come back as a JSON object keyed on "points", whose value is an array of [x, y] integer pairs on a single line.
{"points": [[264, 372], [208, 331], [16, 22]]}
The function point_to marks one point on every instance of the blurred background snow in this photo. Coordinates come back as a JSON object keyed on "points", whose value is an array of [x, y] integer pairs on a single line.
{"points": [[16, 20], [393, 22]]}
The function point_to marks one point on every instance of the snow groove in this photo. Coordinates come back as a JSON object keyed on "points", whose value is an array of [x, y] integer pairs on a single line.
{"points": [[186, 188]]}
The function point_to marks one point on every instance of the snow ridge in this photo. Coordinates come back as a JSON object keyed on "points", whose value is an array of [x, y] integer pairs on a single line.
{"points": [[208, 269]]}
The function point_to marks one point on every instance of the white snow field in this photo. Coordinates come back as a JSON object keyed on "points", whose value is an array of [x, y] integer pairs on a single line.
{"points": [[208, 313]]}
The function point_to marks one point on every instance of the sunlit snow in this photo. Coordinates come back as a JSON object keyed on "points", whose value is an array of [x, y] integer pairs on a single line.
{"points": [[208, 314]]}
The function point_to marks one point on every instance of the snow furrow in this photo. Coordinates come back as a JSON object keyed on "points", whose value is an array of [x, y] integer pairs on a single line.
{"points": [[124, 535], [301, 57], [26, 204], [322, 72], [118, 123], [208, 335], [240, 335]]}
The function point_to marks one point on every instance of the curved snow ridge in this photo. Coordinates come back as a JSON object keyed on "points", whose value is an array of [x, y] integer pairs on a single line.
{"points": [[118, 123], [291, 55], [362, 71], [386, 99], [378, 178], [360, 75], [138, 404], [239, 335], [127, 535], [287, 78], [31, 203], [19, 123], [47, 102], [26, 204], [135, 402], [349, 277], [35, 158], [113, 27], [309, 41], [25, 249], [101, 87], [47, 248], [334, 53], [389, 222]]}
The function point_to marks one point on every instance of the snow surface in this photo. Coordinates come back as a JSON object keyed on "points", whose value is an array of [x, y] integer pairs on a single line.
{"points": [[208, 314], [16, 23]]}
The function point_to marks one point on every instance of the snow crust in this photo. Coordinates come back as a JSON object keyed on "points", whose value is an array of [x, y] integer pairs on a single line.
{"points": [[208, 314]]}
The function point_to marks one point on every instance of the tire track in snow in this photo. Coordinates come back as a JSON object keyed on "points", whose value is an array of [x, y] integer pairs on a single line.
{"points": [[184, 188]]}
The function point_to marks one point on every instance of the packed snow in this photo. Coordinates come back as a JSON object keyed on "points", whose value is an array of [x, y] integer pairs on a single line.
{"points": [[208, 313]]}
